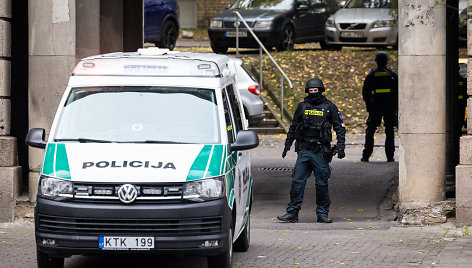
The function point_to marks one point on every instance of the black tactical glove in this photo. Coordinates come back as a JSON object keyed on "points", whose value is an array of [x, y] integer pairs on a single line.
{"points": [[341, 154], [284, 153]]}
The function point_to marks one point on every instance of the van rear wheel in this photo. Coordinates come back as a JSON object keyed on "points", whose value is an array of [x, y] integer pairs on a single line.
{"points": [[46, 261]]}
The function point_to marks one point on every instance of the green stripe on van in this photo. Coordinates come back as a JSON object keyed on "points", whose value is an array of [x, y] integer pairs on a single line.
{"points": [[215, 162], [197, 171], [48, 166], [62, 163]]}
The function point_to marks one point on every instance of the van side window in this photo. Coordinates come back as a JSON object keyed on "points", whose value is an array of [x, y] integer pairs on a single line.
{"points": [[233, 102], [229, 124]]}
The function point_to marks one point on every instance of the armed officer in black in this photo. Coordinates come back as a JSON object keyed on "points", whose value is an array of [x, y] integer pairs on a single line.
{"points": [[311, 128], [380, 93]]}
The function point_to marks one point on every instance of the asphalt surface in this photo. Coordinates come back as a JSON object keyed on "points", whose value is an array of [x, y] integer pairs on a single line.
{"points": [[363, 233]]}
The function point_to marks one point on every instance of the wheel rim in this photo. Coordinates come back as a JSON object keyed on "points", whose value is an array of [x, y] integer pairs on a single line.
{"points": [[248, 229], [171, 37], [230, 249], [288, 39]]}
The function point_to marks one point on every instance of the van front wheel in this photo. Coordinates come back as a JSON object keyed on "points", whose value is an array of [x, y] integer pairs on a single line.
{"points": [[46, 261], [223, 260], [244, 239]]}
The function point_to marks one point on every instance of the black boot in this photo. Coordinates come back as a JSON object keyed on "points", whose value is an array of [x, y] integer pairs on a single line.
{"points": [[291, 216], [324, 219]]}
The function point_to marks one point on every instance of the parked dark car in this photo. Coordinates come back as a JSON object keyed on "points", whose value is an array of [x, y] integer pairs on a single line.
{"points": [[277, 23], [161, 22]]}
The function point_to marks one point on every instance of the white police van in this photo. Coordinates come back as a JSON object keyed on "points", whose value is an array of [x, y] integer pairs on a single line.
{"points": [[147, 152]]}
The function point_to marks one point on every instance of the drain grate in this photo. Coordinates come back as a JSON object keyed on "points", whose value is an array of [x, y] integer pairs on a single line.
{"points": [[274, 169]]}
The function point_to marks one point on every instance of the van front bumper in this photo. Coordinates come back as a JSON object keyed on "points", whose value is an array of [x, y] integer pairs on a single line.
{"points": [[177, 228]]}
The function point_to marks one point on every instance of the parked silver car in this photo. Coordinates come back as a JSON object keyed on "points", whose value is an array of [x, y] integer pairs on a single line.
{"points": [[362, 23], [249, 90]]}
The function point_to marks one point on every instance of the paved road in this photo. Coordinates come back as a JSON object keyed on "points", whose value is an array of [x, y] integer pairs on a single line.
{"points": [[362, 234]]}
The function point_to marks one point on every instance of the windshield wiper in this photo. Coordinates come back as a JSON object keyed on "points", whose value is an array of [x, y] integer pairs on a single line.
{"points": [[84, 140], [171, 142]]}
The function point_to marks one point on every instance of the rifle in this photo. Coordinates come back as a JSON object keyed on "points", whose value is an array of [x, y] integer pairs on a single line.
{"points": [[326, 137]]}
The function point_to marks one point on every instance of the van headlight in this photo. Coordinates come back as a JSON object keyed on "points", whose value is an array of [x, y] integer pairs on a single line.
{"points": [[204, 190], [383, 23], [54, 188]]}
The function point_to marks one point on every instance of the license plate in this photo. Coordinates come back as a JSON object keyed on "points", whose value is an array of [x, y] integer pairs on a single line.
{"points": [[351, 34], [233, 34], [121, 242]]}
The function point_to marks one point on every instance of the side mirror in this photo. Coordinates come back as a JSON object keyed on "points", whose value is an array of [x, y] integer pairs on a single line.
{"points": [[35, 138], [246, 139], [342, 4], [303, 7]]}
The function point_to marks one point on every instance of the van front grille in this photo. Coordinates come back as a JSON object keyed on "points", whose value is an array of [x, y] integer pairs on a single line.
{"points": [[163, 227]]}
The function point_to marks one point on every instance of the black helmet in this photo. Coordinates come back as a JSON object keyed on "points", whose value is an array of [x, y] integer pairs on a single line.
{"points": [[381, 58], [314, 82]]}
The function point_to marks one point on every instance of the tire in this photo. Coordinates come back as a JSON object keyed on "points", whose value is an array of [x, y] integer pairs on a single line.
{"points": [[169, 35], [334, 47], [223, 260], [219, 48], [286, 39], [323, 44], [244, 239], [45, 261]]}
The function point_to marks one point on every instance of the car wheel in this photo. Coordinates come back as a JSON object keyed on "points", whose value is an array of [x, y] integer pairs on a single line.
{"points": [[286, 40], [219, 48], [323, 44], [223, 260], [169, 35], [335, 47], [244, 239], [45, 261]]}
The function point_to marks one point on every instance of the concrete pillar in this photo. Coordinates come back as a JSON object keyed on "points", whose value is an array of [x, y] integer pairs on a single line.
{"points": [[10, 172], [464, 169], [61, 32], [422, 102]]}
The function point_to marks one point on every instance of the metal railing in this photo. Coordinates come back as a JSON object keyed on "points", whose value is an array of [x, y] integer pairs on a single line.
{"points": [[261, 48]]}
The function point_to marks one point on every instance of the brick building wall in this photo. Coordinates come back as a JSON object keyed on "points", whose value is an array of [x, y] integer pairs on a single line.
{"points": [[206, 9]]}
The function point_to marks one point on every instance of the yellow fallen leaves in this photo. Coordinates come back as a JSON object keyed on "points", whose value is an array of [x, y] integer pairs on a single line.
{"points": [[299, 247], [342, 72]]}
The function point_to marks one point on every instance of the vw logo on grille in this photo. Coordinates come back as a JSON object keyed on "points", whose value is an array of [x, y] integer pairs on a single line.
{"points": [[127, 193]]}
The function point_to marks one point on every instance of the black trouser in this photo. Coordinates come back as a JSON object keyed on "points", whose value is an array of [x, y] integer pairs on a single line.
{"points": [[373, 121]]}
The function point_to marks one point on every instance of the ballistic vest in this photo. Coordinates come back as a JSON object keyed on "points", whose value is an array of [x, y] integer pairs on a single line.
{"points": [[383, 86], [313, 118]]}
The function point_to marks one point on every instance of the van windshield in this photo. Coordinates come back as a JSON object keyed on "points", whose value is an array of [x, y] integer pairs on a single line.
{"points": [[140, 115]]}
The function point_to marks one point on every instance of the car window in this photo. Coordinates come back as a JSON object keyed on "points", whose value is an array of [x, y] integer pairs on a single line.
{"points": [[318, 3], [267, 4], [244, 74], [368, 4], [303, 3], [140, 114]]}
